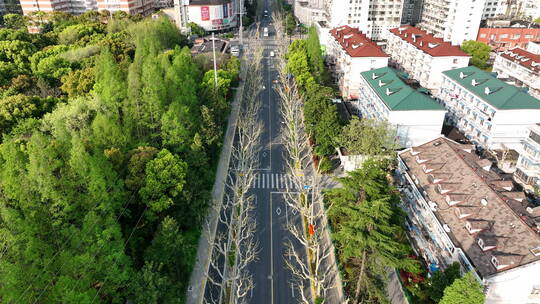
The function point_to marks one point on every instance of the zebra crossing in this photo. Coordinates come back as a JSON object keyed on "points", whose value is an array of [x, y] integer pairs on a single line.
{"points": [[273, 181]]}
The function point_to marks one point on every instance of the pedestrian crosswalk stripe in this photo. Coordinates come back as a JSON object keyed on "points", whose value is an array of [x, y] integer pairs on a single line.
{"points": [[272, 181]]}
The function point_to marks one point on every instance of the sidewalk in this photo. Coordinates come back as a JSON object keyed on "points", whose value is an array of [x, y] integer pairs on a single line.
{"points": [[197, 282], [394, 290]]}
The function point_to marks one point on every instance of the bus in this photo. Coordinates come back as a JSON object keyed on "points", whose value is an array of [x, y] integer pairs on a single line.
{"points": [[265, 33]]}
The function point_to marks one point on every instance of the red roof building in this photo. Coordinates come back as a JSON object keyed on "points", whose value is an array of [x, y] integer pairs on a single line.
{"points": [[350, 52], [505, 38], [521, 67], [356, 43], [423, 56], [426, 42]]}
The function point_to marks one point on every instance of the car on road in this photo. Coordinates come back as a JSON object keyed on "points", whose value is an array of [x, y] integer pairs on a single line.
{"points": [[272, 54], [265, 32]]}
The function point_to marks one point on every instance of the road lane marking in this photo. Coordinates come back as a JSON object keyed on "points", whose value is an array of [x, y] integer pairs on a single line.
{"points": [[273, 181]]}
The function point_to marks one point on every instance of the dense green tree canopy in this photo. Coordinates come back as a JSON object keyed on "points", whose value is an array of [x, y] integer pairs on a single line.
{"points": [[465, 290], [479, 52], [106, 163], [368, 137], [368, 226]]}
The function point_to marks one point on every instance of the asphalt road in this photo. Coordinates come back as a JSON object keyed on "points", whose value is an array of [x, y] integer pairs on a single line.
{"points": [[272, 278]]}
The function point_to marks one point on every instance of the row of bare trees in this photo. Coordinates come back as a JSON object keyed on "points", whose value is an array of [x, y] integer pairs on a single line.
{"points": [[308, 253], [235, 247]]}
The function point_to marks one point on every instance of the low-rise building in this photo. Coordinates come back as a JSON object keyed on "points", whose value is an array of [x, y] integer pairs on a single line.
{"points": [[490, 112], [528, 164], [521, 68], [384, 96], [350, 52], [460, 210], [423, 56], [504, 38]]}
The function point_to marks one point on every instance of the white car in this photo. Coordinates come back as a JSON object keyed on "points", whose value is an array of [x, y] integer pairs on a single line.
{"points": [[272, 54]]}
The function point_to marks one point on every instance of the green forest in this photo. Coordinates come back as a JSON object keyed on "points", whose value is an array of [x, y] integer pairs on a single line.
{"points": [[110, 132]]}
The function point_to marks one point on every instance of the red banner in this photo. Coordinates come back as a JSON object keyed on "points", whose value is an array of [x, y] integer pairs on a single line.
{"points": [[311, 229], [217, 21], [205, 13]]}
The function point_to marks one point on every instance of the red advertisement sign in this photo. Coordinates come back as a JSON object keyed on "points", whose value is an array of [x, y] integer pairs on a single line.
{"points": [[205, 13], [217, 21]]}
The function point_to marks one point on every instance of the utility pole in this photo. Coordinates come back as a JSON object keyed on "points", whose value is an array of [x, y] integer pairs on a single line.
{"points": [[215, 63], [241, 28]]}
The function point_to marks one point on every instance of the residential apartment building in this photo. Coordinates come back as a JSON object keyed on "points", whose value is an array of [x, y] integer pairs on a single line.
{"points": [[309, 12], [143, 7], [520, 68], [516, 9], [384, 96], [528, 164], [372, 17], [423, 56], [460, 210], [494, 8], [348, 53], [533, 47], [452, 20], [133, 7], [490, 112], [502, 39], [69, 6], [412, 10]]}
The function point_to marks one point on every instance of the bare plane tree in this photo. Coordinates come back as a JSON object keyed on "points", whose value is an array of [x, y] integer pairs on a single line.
{"points": [[308, 254], [236, 247]]}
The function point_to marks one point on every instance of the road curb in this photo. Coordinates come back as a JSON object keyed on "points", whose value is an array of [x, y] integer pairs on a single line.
{"points": [[197, 282]]}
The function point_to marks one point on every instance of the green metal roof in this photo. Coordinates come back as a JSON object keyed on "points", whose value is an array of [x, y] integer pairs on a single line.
{"points": [[494, 91], [396, 94]]}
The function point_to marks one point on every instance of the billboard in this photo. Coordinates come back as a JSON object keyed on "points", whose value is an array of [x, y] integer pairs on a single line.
{"points": [[205, 13], [225, 10]]}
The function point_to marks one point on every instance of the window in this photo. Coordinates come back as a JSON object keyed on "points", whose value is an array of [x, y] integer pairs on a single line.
{"points": [[516, 36], [495, 262], [528, 36], [480, 243], [482, 35], [503, 36]]}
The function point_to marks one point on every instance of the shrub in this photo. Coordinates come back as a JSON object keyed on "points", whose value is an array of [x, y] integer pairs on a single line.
{"points": [[325, 165]]}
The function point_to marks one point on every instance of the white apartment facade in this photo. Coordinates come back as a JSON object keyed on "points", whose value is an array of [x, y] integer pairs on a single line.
{"points": [[423, 56], [529, 9], [452, 20], [522, 68], [384, 96], [528, 164], [533, 47], [348, 53], [490, 112], [459, 210], [494, 8], [309, 12], [372, 17]]}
